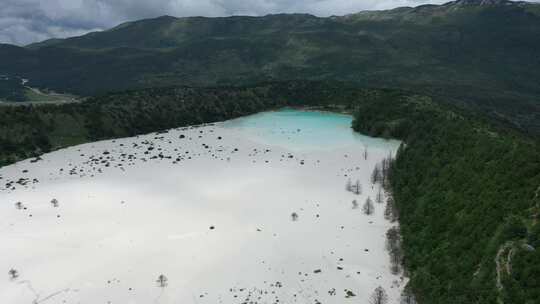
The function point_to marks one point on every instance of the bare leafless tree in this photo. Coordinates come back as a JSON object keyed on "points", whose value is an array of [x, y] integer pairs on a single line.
{"points": [[386, 167], [376, 174], [348, 186], [379, 296], [393, 245], [395, 261], [392, 238], [365, 152], [355, 204], [19, 205], [162, 281], [368, 207], [357, 188], [294, 216], [380, 196]]}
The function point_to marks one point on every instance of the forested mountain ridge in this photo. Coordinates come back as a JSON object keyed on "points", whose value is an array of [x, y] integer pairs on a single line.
{"points": [[477, 53]]}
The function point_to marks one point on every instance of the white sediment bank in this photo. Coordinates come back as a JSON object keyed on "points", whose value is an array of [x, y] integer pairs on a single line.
{"points": [[209, 207]]}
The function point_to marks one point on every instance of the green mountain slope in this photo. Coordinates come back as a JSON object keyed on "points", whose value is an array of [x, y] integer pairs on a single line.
{"points": [[479, 53], [11, 89]]}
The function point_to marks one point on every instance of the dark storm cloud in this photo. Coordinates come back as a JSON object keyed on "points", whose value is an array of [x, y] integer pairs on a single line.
{"points": [[26, 21]]}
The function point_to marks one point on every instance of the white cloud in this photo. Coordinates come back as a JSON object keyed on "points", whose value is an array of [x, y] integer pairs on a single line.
{"points": [[26, 21]]}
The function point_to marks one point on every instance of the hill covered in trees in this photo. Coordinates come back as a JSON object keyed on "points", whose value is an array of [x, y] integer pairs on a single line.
{"points": [[29, 130], [467, 192], [483, 54], [11, 89]]}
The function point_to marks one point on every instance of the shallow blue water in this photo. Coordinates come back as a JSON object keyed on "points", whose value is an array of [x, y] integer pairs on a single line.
{"points": [[305, 130]]}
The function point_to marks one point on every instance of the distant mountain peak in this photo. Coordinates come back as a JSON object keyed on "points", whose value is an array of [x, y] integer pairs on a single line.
{"points": [[166, 17], [483, 2]]}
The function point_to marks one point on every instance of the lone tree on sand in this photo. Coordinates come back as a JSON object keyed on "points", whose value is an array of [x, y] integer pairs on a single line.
{"points": [[19, 205], [378, 296], [357, 188], [380, 197], [368, 207], [365, 153], [294, 216], [348, 186], [162, 281], [376, 175], [13, 274]]}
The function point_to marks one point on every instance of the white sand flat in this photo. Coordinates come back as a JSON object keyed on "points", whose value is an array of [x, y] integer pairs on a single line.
{"points": [[123, 220]]}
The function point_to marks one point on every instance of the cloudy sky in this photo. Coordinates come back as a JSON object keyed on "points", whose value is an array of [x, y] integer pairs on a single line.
{"points": [[26, 21]]}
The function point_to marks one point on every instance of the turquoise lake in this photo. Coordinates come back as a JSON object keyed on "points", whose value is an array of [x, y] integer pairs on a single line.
{"points": [[305, 130]]}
